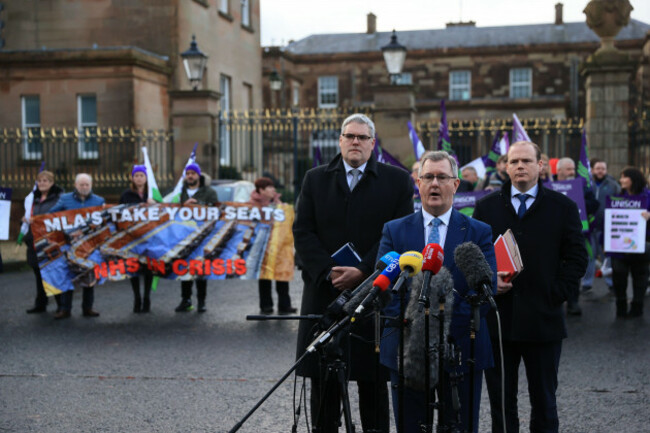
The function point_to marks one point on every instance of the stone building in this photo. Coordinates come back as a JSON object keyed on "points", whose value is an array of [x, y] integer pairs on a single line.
{"points": [[116, 64], [481, 72]]}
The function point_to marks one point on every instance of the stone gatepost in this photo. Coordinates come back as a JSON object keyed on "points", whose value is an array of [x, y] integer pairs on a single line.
{"points": [[394, 107], [608, 73], [195, 119]]}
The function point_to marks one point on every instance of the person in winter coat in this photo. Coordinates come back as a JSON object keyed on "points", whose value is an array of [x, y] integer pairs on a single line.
{"points": [[45, 197], [138, 193], [265, 195]]}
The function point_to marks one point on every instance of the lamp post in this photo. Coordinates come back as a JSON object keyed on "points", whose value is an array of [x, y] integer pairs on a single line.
{"points": [[194, 61], [394, 56], [276, 85]]}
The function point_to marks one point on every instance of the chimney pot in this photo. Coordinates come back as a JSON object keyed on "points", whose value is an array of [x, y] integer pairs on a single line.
{"points": [[372, 23], [558, 14]]}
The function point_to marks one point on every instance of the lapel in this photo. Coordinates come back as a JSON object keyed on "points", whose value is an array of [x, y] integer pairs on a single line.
{"points": [[337, 170], [457, 233]]}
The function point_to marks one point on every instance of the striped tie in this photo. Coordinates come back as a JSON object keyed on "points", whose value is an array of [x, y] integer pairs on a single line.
{"points": [[434, 235]]}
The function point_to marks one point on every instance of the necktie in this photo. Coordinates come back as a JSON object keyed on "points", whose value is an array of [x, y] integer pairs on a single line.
{"points": [[355, 177], [522, 207], [434, 235]]}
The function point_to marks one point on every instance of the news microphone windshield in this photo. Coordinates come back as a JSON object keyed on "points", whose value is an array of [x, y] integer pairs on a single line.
{"points": [[381, 283], [414, 347], [478, 274], [432, 258], [410, 263]]}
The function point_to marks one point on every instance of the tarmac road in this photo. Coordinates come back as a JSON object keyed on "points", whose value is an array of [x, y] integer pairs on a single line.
{"points": [[190, 372]]}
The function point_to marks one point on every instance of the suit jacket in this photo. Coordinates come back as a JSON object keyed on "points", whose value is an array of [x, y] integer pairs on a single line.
{"points": [[328, 216], [407, 234], [553, 251]]}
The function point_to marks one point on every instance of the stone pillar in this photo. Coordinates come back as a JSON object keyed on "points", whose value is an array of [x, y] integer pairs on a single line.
{"points": [[394, 106], [195, 119], [608, 74]]}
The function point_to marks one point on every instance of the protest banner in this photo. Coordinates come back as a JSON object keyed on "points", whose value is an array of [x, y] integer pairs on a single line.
{"points": [[465, 202], [625, 227], [93, 245], [5, 212], [574, 190]]}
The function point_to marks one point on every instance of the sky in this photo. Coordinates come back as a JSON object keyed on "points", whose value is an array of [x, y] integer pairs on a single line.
{"points": [[284, 20]]}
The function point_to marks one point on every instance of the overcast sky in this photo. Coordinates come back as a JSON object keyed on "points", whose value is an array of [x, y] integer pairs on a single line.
{"points": [[283, 20]]}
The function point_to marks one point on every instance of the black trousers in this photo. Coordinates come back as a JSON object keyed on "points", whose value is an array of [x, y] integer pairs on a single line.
{"points": [[266, 300], [201, 290], [637, 265], [326, 405], [146, 290], [542, 360]]}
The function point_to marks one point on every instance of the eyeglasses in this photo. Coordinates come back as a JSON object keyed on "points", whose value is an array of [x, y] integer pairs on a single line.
{"points": [[442, 178], [351, 137]]}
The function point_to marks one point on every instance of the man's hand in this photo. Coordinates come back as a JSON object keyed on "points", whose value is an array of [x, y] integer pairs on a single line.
{"points": [[502, 286], [190, 200], [346, 277]]}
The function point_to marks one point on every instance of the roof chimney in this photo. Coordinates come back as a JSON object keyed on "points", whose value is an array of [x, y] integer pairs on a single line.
{"points": [[372, 23], [558, 14]]}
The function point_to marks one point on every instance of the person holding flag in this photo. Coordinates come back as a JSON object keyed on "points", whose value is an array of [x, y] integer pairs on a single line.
{"points": [[175, 195], [45, 196], [139, 193]]}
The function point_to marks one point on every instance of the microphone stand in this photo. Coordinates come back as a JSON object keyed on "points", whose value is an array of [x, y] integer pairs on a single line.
{"points": [[429, 402], [441, 357], [474, 326], [400, 366]]}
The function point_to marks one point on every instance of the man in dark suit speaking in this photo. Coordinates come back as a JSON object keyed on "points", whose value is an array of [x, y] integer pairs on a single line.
{"points": [[548, 231], [439, 223], [348, 200]]}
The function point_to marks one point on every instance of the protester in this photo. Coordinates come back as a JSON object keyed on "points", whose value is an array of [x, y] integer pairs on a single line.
{"points": [[45, 197], [566, 170], [469, 174], [348, 200], [546, 226], [499, 176], [196, 190], [545, 174], [265, 195], [81, 197], [632, 183], [439, 223], [138, 193], [603, 185]]}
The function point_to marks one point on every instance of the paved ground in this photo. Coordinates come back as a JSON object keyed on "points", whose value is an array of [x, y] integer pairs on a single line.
{"points": [[170, 372]]}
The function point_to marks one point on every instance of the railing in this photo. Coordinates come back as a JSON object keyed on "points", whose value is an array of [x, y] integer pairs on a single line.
{"points": [[105, 153], [640, 139]]}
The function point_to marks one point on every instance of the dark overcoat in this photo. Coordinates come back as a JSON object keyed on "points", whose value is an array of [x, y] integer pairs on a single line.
{"points": [[552, 247], [39, 208], [328, 216]]}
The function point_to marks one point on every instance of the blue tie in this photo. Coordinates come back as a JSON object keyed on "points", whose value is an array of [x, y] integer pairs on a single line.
{"points": [[522, 207], [434, 235]]}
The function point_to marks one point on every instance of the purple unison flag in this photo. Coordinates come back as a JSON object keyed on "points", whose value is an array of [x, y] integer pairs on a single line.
{"points": [[518, 131], [318, 158], [584, 167], [490, 160], [384, 156], [418, 147], [444, 142], [574, 190]]}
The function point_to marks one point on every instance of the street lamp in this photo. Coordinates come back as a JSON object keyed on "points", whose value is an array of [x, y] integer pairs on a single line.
{"points": [[275, 80], [194, 61], [394, 56]]}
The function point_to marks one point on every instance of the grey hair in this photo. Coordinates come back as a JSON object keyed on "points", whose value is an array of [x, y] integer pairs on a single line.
{"points": [[439, 155], [562, 161], [470, 168], [83, 175], [359, 118]]}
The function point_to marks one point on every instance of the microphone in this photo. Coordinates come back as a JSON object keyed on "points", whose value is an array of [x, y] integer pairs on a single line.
{"points": [[410, 263], [432, 258], [360, 293], [478, 274], [334, 309], [414, 347], [381, 283]]}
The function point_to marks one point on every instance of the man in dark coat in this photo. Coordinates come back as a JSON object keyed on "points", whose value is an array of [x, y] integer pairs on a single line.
{"points": [[348, 200], [547, 228]]}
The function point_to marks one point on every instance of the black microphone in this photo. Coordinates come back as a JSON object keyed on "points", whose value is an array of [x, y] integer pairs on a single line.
{"points": [[414, 334], [470, 260]]}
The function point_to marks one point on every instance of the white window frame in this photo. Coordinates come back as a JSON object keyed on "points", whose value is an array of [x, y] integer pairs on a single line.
{"points": [[224, 6], [81, 125], [328, 85], [246, 13], [26, 126], [462, 87], [225, 86], [521, 84]]}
